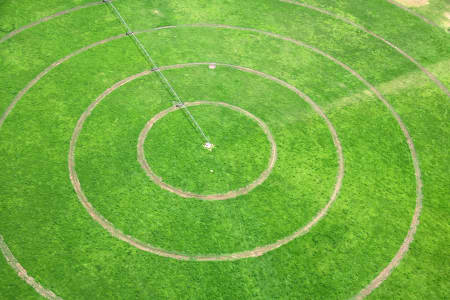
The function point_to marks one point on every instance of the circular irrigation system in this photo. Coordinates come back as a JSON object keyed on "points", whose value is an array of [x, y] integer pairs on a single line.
{"points": [[155, 179]]}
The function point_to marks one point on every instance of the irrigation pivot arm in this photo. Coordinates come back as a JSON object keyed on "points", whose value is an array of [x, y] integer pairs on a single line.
{"points": [[156, 69]]}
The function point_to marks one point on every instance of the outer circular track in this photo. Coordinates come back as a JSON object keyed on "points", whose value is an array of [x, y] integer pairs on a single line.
{"points": [[222, 257], [231, 194], [415, 220]]}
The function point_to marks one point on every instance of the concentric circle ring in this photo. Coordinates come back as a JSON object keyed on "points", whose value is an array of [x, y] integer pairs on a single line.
{"points": [[231, 194], [158, 251]]}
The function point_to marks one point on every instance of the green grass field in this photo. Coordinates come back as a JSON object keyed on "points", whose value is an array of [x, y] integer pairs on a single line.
{"points": [[354, 93]]}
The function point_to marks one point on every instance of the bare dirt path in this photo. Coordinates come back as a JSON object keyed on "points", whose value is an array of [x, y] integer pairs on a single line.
{"points": [[400, 4], [412, 3]]}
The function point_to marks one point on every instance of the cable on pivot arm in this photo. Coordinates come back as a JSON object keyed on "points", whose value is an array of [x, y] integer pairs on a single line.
{"points": [[179, 103]]}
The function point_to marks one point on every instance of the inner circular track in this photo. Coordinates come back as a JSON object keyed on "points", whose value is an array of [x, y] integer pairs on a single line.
{"points": [[221, 257], [231, 194]]}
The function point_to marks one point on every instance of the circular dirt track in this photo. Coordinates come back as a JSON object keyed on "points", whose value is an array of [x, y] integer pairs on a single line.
{"points": [[221, 257], [231, 194], [261, 250]]}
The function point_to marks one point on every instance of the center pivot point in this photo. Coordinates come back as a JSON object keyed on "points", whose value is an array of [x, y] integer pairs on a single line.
{"points": [[208, 146]]}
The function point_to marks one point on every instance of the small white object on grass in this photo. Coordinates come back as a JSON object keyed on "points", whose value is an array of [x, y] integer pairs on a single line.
{"points": [[208, 146], [212, 171], [212, 66]]}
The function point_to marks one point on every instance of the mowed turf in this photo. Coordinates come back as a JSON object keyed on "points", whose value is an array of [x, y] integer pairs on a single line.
{"points": [[59, 244]]}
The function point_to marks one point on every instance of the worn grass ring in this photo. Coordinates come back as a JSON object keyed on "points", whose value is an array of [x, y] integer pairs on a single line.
{"points": [[223, 196]]}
